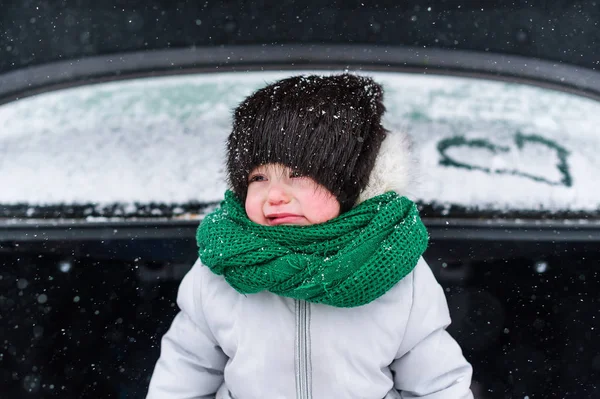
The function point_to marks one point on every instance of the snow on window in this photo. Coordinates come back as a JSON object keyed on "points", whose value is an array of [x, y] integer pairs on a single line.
{"points": [[478, 143]]}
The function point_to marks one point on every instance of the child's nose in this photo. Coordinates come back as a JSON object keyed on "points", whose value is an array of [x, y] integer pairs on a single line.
{"points": [[278, 194]]}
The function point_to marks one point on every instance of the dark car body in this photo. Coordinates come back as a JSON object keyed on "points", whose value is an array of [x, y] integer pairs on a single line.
{"points": [[88, 286]]}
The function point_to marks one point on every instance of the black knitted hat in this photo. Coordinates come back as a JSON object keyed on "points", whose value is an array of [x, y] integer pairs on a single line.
{"points": [[325, 127]]}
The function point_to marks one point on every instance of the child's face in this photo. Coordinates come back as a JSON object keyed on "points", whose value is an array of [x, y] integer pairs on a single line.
{"points": [[276, 196]]}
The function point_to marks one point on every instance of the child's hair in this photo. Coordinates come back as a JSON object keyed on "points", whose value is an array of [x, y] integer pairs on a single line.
{"points": [[325, 127]]}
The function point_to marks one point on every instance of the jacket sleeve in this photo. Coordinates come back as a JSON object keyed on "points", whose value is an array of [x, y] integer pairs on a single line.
{"points": [[191, 362], [430, 363]]}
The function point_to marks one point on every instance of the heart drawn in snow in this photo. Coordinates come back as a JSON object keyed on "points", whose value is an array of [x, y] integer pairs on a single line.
{"points": [[521, 142]]}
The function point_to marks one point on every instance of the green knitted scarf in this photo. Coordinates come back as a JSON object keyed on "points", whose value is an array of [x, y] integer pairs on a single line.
{"points": [[348, 261]]}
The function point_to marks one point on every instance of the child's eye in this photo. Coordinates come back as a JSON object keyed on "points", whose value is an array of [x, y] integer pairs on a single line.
{"points": [[296, 174], [254, 178]]}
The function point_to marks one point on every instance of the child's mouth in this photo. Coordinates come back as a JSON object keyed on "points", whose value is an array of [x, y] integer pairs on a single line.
{"points": [[283, 218]]}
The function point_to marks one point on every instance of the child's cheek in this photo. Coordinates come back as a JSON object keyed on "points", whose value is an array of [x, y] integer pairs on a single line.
{"points": [[324, 207], [254, 210]]}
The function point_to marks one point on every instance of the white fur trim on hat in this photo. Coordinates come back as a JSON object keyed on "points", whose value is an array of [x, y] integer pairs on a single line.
{"points": [[393, 169]]}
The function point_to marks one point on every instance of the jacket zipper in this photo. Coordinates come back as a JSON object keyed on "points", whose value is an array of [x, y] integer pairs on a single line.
{"points": [[302, 351]]}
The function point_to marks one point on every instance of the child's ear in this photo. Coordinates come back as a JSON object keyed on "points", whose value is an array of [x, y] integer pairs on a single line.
{"points": [[393, 169]]}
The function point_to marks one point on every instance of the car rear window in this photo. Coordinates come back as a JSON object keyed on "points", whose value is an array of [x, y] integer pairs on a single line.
{"points": [[478, 144]]}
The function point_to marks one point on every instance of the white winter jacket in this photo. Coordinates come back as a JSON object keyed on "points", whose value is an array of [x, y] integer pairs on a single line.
{"points": [[266, 346]]}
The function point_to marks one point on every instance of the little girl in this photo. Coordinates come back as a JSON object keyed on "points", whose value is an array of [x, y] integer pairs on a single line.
{"points": [[310, 282]]}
